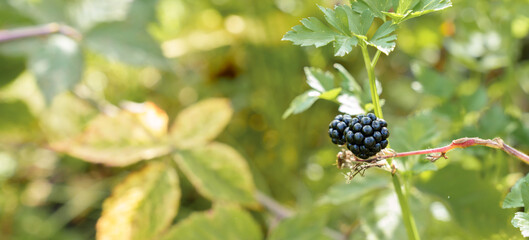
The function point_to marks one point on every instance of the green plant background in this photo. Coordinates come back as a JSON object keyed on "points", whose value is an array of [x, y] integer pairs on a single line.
{"points": [[70, 137]]}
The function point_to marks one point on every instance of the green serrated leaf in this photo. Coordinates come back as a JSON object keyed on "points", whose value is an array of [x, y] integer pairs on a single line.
{"points": [[218, 172], [521, 221], [336, 19], [384, 38], [302, 103], [409, 9], [303, 226], [344, 45], [123, 42], [318, 79], [376, 7], [57, 65], [141, 206], [359, 23], [347, 26], [201, 122], [222, 222], [331, 94], [514, 197], [406, 5], [313, 32]]}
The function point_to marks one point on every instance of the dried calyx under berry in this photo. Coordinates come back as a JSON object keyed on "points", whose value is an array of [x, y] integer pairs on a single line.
{"points": [[365, 135]]}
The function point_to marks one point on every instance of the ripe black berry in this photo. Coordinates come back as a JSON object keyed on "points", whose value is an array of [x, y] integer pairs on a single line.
{"points": [[364, 135]]}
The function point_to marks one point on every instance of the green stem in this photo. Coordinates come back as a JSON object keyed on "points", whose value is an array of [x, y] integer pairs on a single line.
{"points": [[409, 222]]}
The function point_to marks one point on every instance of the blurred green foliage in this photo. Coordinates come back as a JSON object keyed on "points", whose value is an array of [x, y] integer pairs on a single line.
{"points": [[463, 72]]}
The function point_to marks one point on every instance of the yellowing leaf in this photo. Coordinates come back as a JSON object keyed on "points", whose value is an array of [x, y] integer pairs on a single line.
{"points": [[218, 172], [201, 122], [222, 222], [141, 206], [121, 139]]}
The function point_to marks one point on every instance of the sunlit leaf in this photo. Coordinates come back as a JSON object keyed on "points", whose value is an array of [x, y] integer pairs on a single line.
{"points": [[57, 65], [222, 222], [141, 206], [521, 221], [303, 226], [67, 117], [331, 94], [201, 122], [384, 38], [121, 139], [406, 5], [319, 80], [409, 9], [218, 172], [349, 104], [302, 103], [123, 42]]}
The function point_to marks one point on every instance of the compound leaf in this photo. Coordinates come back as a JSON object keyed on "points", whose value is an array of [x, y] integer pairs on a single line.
{"points": [[346, 25], [312, 32], [141, 206]]}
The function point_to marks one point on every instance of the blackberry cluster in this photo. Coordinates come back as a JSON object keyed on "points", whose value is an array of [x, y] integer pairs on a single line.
{"points": [[365, 135]]}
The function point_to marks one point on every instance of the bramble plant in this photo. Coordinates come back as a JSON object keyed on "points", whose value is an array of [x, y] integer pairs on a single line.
{"points": [[372, 24]]}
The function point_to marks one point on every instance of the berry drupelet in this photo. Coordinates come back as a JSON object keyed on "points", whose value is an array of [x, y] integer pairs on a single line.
{"points": [[364, 135], [338, 127]]}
